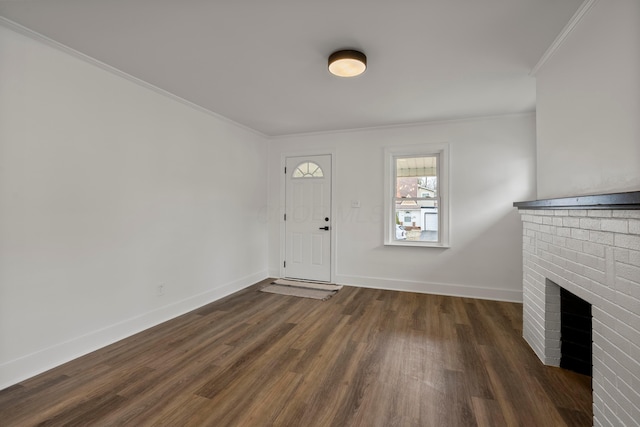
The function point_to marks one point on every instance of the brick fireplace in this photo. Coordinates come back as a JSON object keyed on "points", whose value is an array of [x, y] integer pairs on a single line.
{"points": [[589, 246]]}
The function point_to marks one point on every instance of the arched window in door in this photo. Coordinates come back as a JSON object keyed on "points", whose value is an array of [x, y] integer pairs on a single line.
{"points": [[308, 170]]}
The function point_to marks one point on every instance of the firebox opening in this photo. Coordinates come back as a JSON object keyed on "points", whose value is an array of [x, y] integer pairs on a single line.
{"points": [[575, 333]]}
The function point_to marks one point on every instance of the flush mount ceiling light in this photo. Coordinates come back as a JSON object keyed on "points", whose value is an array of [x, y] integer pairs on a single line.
{"points": [[347, 63]]}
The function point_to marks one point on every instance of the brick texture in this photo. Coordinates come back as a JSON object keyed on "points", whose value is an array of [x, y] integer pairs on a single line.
{"points": [[594, 254]]}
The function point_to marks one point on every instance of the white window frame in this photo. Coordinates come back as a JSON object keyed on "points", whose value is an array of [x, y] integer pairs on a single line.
{"points": [[390, 154]]}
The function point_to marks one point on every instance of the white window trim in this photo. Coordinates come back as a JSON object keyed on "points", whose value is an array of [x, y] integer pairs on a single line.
{"points": [[441, 149]]}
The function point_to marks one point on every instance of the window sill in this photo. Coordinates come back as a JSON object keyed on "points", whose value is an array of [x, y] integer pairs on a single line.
{"points": [[417, 244]]}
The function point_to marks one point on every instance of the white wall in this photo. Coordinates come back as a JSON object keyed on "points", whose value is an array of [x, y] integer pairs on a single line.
{"points": [[492, 165], [107, 190], [588, 106]]}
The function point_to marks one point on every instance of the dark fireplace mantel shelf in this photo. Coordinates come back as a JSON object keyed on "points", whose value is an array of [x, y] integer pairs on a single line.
{"points": [[630, 200]]}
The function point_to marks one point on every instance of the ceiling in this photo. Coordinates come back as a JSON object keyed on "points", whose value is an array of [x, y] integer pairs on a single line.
{"points": [[263, 63]]}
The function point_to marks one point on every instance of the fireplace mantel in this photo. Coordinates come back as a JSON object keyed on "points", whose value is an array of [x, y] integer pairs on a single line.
{"points": [[629, 200]]}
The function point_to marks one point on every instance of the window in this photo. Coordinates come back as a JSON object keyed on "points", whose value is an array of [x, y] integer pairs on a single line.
{"points": [[308, 170], [416, 196]]}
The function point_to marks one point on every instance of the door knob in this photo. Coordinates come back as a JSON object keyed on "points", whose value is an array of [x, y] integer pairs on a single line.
{"points": [[324, 228]]}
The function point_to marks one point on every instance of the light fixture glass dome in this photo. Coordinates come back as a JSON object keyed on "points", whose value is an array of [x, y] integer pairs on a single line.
{"points": [[347, 63]]}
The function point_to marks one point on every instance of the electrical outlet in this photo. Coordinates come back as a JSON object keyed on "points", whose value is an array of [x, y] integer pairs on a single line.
{"points": [[160, 290]]}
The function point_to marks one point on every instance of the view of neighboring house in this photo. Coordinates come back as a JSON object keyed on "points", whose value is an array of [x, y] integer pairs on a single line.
{"points": [[418, 211]]}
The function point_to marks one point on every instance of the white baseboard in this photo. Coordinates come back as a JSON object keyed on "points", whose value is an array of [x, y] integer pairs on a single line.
{"points": [[17, 370], [431, 288]]}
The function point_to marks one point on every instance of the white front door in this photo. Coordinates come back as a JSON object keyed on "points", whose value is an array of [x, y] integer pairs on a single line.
{"points": [[308, 218]]}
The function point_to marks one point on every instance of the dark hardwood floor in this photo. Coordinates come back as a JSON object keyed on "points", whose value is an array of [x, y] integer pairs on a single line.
{"points": [[363, 358]]}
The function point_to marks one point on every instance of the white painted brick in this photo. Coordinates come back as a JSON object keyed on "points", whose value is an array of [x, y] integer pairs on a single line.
{"points": [[615, 225], [593, 274], [546, 229], [600, 213], [594, 249], [554, 249], [579, 234], [589, 253], [545, 237], [626, 214], [571, 222], [553, 357], [601, 316], [559, 261], [591, 261], [557, 270], [627, 241], [629, 303], [590, 223], [622, 413], [622, 285], [575, 245], [540, 245], [544, 255], [632, 335], [602, 292], [627, 271], [620, 343], [552, 293], [601, 237], [552, 335], [569, 254], [626, 389], [559, 241], [609, 351], [623, 365], [590, 295], [599, 418], [621, 255], [635, 383], [552, 308], [621, 313], [553, 321], [572, 267], [633, 351]]}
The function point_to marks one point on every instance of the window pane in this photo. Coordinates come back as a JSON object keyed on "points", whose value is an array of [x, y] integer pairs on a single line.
{"points": [[417, 220], [308, 170], [416, 203], [416, 196], [416, 177]]}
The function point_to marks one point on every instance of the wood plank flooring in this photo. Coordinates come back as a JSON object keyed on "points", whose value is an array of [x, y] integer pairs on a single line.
{"points": [[365, 357]]}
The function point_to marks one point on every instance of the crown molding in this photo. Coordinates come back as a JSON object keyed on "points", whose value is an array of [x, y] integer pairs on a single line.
{"points": [[435, 122], [113, 70], [573, 22]]}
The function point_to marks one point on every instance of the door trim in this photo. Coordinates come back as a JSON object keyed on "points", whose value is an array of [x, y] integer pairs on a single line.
{"points": [[334, 225]]}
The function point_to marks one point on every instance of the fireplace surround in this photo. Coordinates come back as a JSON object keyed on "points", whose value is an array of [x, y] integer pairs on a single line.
{"points": [[590, 246]]}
